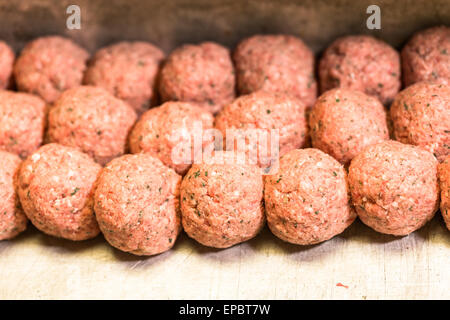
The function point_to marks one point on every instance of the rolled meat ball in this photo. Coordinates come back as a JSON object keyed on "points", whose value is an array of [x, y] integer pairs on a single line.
{"points": [[93, 120], [22, 122], [168, 133], [129, 71], [307, 200], [12, 219], [394, 187], [201, 74], [361, 63], [278, 63], [444, 179], [263, 111], [56, 189], [221, 201], [421, 117], [47, 66], [6, 65], [426, 56], [343, 122], [137, 204]]}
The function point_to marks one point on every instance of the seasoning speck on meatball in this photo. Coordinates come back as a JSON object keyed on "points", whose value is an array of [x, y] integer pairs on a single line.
{"points": [[307, 200], [279, 63], [221, 201], [56, 189], [444, 178], [421, 117], [394, 187], [168, 132], [361, 63], [93, 120], [202, 74], [6, 65], [426, 56], [12, 219], [137, 204], [343, 122], [128, 70], [49, 65]]}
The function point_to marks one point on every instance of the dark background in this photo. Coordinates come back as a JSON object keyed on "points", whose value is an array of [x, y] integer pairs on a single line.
{"points": [[168, 23]]}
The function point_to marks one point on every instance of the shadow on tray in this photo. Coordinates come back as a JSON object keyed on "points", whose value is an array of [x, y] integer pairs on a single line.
{"points": [[265, 243]]}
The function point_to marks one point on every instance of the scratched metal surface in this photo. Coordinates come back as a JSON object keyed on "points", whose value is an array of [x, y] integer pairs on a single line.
{"points": [[371, 265]]}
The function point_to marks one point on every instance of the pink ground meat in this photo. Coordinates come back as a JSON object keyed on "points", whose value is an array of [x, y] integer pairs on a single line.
{"points": [[361, 63], [266, 111], [307, 200], [221, 203], [49, 65], [22, 122], [394, 187], [128, 70], [12, 219], [93, 120], [6, 65], [56, 189], [168, 132], [444, 178], [421, 116], [137, 204], [201, 74], [278, 63], [426, 56], [343, 122]]}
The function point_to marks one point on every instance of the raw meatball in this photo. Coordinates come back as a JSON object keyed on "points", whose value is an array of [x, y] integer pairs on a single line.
{"points": [[267, 111], [201, 73], [12, 219], [279, 63], [307, 200], [421, 116], [221, 202], [129, 71], [93, 120], [22, 122], [361, 63], [343, 122], [56, 189], [49, 65], [137, 204], [444, 178], [394, 187], [426, 56], [6, 65], [168, 133]]}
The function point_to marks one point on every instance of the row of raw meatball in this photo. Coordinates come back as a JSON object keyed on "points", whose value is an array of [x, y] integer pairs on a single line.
{"points": [[97, 123], [343, 122], [204, 73], [394, 188], [140, 204]]}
